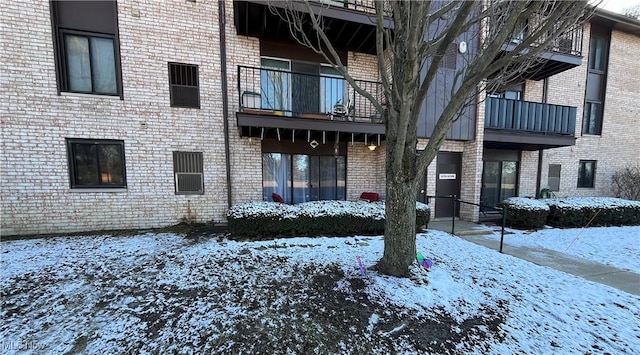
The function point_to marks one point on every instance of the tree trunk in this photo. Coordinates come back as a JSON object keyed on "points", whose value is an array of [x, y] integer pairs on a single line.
{"points": [[399, 237]]}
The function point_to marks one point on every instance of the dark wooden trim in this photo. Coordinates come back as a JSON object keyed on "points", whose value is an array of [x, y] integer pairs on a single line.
{"points": [[268, 121], [294, 52], [525, 141], [302, 147]]}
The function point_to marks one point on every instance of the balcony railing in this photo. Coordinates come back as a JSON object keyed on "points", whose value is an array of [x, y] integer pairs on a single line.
{"points": [[530, 117], [284, 93], [367, 6], [569, 43]]}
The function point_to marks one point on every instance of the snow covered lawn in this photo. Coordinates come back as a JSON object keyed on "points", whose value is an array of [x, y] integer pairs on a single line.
{"points": [[615, 246], [165, 293]]}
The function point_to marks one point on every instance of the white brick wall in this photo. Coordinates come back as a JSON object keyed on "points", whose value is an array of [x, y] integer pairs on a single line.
{"points": [[36, 197], [34, 177]]}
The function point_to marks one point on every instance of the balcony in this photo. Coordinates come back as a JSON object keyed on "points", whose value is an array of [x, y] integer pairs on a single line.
{"points": [[565, 53], [349, 24], [291, 105], [523, 125]]}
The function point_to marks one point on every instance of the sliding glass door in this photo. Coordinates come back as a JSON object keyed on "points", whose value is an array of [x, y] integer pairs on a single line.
{"points": [[301, 178], [275, 84], [499, 181]]}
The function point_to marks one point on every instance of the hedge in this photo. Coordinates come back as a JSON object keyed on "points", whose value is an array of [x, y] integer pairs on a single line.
{"points": [[598, 211], [269, 219], [525, 213]]}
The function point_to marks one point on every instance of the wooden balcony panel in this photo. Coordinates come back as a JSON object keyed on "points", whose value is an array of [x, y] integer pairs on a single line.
{"points": [[530, 124]]}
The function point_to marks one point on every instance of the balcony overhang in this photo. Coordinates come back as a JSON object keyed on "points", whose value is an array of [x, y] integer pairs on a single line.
{"points": [[513, 140], [296, 128], [348, 28], [551, 62]]}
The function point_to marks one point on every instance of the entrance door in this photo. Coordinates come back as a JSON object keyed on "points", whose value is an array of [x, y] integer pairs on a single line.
{"points": [[499, 181], [447, 182]]}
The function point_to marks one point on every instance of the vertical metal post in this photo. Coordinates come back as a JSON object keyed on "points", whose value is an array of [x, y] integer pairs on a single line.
{"points": [[504, 221], [453, 216]]}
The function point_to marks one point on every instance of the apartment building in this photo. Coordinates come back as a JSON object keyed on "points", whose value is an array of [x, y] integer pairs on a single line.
{"points": [[141, 114]]}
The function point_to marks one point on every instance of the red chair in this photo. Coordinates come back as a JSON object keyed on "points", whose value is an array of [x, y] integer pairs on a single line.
{"points": [[370, 196], [277, 198]]}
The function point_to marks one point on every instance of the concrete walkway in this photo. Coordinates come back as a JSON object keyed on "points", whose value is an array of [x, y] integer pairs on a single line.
{"points": [[607, 275]]}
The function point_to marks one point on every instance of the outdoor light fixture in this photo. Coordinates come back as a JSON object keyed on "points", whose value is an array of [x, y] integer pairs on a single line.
{"points": [[372, 146]]}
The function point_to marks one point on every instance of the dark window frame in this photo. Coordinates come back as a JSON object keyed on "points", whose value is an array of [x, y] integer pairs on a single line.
{"points": [[603, 35], [172, 84], [64, 62], [583, 181], [586, 117], [196, 167], [58, 31], [71, 154]]}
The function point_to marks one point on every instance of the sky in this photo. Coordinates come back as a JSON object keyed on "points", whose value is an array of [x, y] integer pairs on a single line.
{"points": [[618, 5]]}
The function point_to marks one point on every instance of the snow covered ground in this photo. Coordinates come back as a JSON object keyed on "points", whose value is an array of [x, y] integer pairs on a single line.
{"points": [[165, 293], [615, 246]]}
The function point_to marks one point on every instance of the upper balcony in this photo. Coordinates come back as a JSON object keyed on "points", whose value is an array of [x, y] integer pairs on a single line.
{"points": [[290, 105], [564, 54], [349, 24], [524, 125]]}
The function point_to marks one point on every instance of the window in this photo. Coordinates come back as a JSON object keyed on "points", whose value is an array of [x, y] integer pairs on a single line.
{"points": [[554, 177], [499, 181], [596, 81], [183, 85], [296, 87], [275, 84], [512, 92], [85, 35], [332, 89], [586, 173], [188, 170], [301, 177], [96, 163], [592, 118], [598, 53]]}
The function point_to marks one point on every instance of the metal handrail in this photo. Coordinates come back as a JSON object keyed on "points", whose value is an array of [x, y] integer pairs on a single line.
{"points": [[503, 211]]}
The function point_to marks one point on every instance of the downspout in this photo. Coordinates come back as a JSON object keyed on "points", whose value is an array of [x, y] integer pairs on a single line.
{"points": [[545, 91], [225, 99]]}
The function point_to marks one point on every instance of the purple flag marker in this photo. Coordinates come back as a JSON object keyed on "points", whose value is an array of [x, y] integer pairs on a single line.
{"points": [[361, 266]]}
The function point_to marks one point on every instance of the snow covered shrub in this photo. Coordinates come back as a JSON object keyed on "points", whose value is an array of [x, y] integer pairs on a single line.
{"points": [[268, 219], [626, 182], [592, 211], [525, 213]]}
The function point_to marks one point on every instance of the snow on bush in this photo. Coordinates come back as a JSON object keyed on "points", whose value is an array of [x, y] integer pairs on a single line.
{"points": [[593, 211], [524, 203], [593, 202], [525, 213], [373, 210], [316, 217]]}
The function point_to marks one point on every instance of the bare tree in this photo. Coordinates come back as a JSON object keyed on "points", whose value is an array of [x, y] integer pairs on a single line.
{"points": [[632, 11], [412, 38]]}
